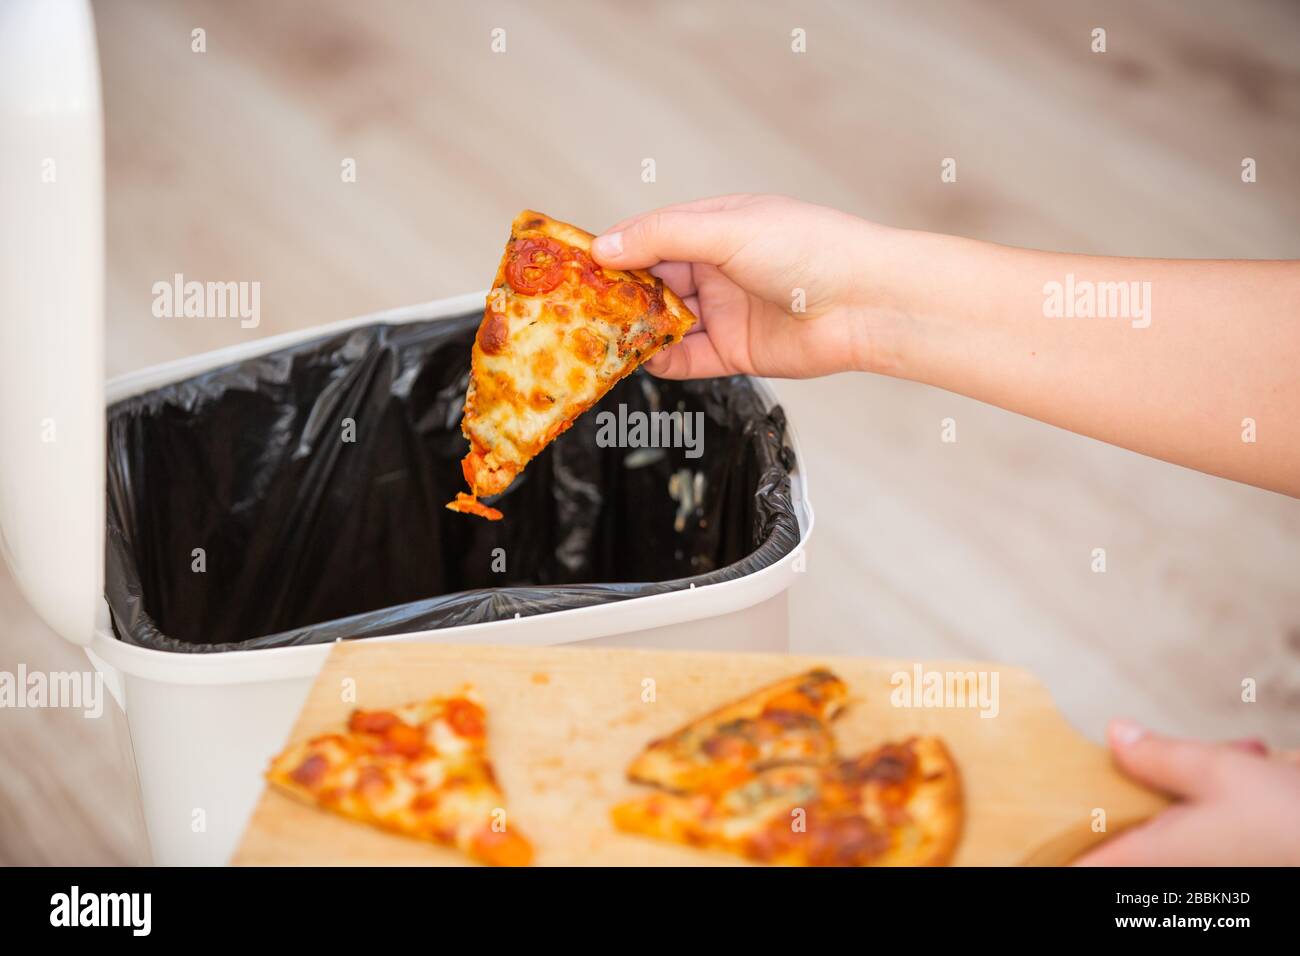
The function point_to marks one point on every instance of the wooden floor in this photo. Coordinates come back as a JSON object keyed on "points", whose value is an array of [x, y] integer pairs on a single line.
{"points": [[226, 165]]}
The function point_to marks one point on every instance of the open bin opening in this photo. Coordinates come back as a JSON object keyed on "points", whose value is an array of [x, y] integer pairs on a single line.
{"points": [[297, 498]]}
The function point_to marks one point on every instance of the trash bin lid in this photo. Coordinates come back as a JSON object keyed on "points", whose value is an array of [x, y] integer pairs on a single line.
{"points": [[51, 311]]}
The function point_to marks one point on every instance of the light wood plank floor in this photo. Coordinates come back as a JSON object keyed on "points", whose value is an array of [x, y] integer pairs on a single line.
{"points": [[225, 165]]}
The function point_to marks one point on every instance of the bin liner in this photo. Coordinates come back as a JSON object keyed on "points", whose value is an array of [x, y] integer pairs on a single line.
{"points": [[240, 518]]}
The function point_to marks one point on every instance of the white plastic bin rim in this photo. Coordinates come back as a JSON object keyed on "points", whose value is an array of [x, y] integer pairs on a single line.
{"points": [[549, 628]]}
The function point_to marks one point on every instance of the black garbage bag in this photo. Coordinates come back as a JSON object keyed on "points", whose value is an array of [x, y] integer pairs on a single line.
{"points": [[240, 516]]}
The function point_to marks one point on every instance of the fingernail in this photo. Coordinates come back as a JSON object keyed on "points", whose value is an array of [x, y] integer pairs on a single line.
{"points": [[610, 244], [1125, 732], [1250, 745]]}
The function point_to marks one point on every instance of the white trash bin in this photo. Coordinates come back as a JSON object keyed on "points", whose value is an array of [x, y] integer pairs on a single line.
{"points": [[202, 726]]}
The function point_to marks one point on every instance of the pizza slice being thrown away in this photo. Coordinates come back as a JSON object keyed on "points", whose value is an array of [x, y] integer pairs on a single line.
{"points": [[419, 770], [557, 334]]}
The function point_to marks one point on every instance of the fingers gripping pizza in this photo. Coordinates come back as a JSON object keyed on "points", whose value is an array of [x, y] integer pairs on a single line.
{"points": [[558, 332], [420, 770]]}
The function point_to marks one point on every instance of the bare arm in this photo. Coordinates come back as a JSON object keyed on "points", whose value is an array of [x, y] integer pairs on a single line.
{"points": [[1196, 362]]}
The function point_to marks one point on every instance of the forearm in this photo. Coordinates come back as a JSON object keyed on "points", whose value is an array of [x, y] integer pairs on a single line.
{"points": [[1197, 347]]}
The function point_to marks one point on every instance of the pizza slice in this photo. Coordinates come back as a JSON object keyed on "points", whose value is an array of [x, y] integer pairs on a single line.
{"points": [[558, 332], [420, 770], [898, 805], [785, 722]]}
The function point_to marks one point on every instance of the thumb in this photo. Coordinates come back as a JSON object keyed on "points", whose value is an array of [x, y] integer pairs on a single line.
{"points": [[673, 236], [1183, 768]]}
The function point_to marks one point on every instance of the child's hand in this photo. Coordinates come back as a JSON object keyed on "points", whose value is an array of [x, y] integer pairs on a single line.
{"points": [[742, 263], [1239, 805]]}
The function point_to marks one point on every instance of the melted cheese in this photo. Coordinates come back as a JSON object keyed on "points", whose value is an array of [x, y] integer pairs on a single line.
{"points": [[555, 364]]}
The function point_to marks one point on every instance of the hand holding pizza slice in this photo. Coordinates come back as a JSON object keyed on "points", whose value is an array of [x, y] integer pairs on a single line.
{"points": [[558, 332]]}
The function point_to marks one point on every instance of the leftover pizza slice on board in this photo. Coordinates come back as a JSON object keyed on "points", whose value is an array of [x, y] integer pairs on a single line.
{"points": [[897, 805], [420, 770], [760, 777]]}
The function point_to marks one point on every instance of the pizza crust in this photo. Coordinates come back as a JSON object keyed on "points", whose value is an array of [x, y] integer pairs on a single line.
{"points": [[935, 806]]}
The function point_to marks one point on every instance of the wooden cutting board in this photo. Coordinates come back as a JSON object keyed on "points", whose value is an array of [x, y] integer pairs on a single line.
{"points": [[563, 724]]}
